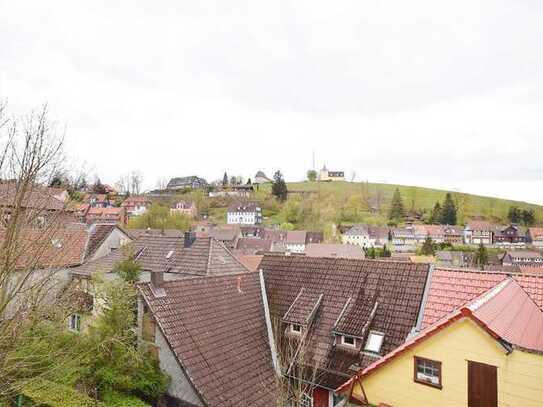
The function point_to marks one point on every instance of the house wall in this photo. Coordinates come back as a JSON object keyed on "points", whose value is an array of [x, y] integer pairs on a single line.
{"points": [[180, 387], [520, 373], [115, 240]]}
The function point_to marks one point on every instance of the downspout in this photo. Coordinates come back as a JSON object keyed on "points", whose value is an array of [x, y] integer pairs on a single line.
{"points": [[271, 339]]}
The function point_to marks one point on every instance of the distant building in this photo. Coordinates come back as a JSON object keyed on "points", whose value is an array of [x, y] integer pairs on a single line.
{"points": [[244, 213], [534, 236], [136, 205], [509, 236], [325, 175], [522, 258], [190, 182], [106, 215], [477, 232], [366, 236], [184, 208], [261, 178]]}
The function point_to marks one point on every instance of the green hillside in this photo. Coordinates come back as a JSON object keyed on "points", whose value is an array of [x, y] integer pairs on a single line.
{"points": [[350, 202]]}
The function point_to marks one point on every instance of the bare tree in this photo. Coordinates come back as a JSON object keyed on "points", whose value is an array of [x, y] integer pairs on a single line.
{"points": [[130, 183], [33, 236], [162, 183]]}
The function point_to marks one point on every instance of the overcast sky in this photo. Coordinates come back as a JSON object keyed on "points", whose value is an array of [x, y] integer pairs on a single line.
{"points": [[429, 93]]}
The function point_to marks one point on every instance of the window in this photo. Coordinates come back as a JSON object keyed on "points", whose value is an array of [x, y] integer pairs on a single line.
{"points": [[296, 328], [75, 322], [348, 341], [428, 372], [374, 342], [40, 222], [335, 400]]}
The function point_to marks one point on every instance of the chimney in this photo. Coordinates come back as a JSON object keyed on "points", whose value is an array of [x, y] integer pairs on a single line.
{"points": [[189, 239], [157, 279]]}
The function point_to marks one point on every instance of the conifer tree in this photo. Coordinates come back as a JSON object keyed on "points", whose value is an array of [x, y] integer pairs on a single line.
{"points": [[279, 186], [397, 210], [448, 213], [427, 248], [435, 217], [481, 256], [225, 179]]}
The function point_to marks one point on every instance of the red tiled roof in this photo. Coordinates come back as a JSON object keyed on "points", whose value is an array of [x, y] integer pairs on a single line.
{"points": [[216, 328], [513, 315], [536, 233], [533, 285], [397, 287], [296, 236], [480, 225], [450, 289]]}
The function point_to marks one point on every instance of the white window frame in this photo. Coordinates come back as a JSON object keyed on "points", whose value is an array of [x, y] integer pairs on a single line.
{"points": [[74, 327], [371, 335], [331, 395], [352, 345], [294, 330]]}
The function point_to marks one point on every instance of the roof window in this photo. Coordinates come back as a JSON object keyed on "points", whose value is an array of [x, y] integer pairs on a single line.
{"points": [[374, 342]]}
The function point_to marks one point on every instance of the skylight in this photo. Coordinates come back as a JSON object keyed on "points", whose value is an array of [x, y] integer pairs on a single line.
{"points": [[170, 253], [374, 342]]}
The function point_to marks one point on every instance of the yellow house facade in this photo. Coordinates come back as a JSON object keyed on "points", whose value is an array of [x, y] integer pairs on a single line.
{"points": [[519, 373]]}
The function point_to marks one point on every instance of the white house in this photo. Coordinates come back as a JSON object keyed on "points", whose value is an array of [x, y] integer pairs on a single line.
{"points": [[244, 213], [295, 241]]}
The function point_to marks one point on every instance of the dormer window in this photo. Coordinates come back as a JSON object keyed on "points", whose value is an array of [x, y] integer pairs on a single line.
{"points": [[296, 328], [374, 342], [348, 341]]}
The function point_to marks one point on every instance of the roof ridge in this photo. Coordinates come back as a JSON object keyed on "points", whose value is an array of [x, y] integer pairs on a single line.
{"points": [[484, 298]]}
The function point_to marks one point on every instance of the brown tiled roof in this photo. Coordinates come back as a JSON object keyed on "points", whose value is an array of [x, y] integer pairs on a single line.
{"points": [[296, 236], [216, 328], [37, 197], [53, 247], [348, 251], [251, 245], [480, 225], [205, 256], [131, 201], [397, 287], [137, 233]]}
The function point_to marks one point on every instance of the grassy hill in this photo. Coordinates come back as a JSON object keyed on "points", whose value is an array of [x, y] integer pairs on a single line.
{"points": [[418, 199]]}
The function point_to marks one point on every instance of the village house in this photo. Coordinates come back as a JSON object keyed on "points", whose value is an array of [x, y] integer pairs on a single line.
{"points": [[339, 315], [491, 326], [522, 258], [136, 205], [327, 176], [366, 236], [403, 239], [453, 235], [295, 241], [190, 182], [185, 208], [509, 236], [434, 232], [448, 258], [534, 237], [244, 213], [261, 178], [479, 232], [97, 200]]}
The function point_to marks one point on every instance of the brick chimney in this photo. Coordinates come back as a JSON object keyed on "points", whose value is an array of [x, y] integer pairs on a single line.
{"points": [[190, 237], [157, 279]]}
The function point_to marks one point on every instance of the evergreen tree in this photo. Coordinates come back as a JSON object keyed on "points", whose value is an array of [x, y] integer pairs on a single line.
{"points": [[515, 214], [427, 248], [435, 216], [448, 213], [528, 217], [98, 187], [481, 256], [397, 211], [279, 186], [249, 182], [225, 179], [312, 175]]}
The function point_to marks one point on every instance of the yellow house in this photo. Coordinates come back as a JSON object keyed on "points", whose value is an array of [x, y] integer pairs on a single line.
{"points": [[488, 353]]}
